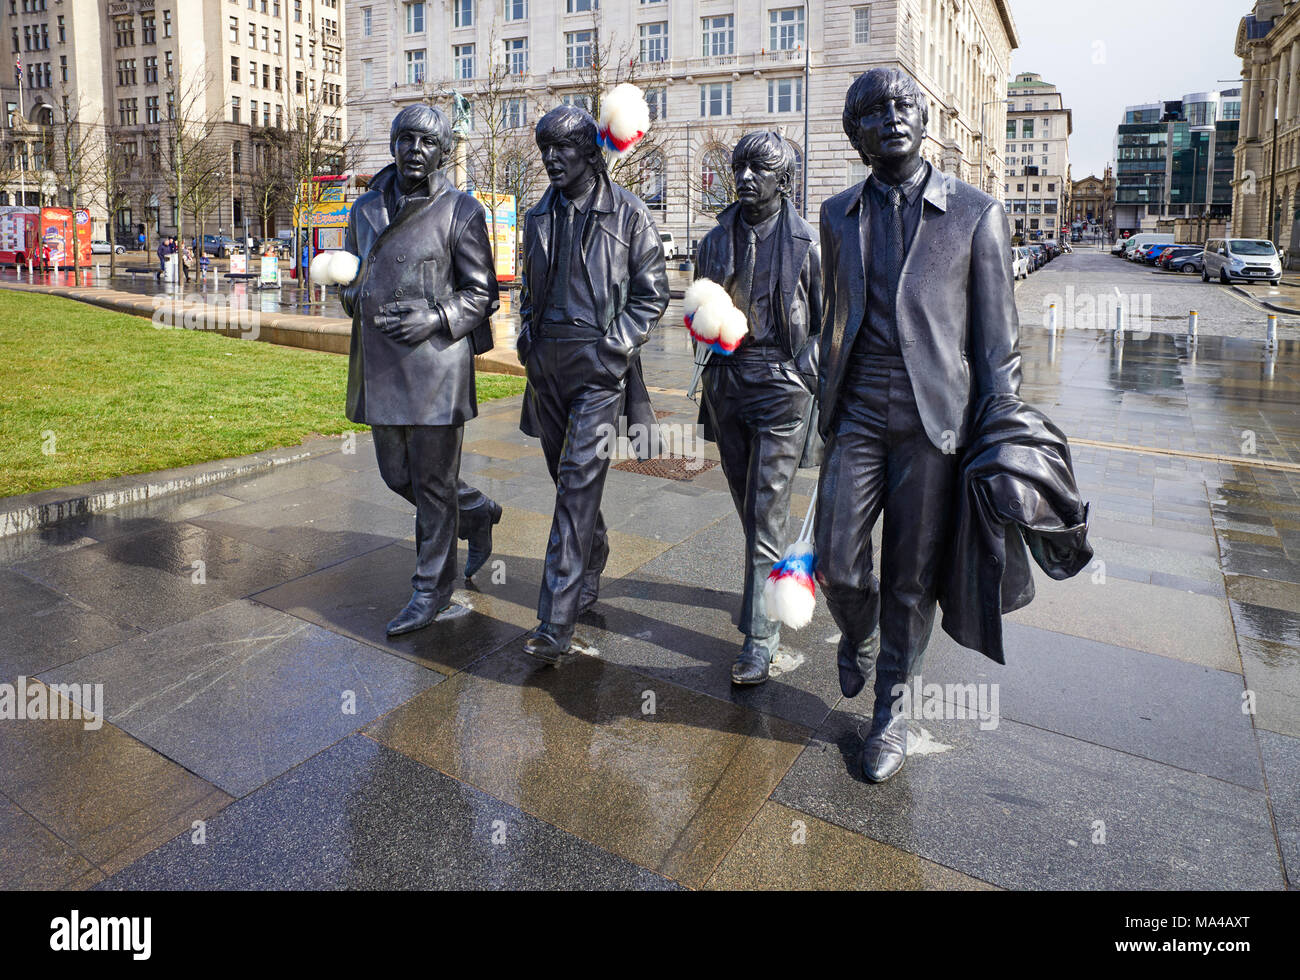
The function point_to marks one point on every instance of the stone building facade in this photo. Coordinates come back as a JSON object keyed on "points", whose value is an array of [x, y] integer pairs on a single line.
{"points": [[120, 65], [712, 69]]}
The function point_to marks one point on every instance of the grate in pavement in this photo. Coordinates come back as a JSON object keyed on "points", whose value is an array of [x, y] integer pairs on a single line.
{"points": [[668, 467]]}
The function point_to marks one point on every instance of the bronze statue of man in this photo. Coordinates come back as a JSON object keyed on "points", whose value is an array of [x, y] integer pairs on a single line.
{"points": [[919, 323], [594, 286], [420, 308], [758, 401]]}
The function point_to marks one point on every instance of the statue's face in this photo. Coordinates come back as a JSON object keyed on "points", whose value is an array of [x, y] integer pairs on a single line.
{"points": [[892, 129], [569, 167], [756, 185], [417, 154]]}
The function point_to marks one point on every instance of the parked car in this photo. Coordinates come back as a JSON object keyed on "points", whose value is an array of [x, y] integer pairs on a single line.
{"points": [[1194, 262], [1020, 262], [670, 245], [219, 245], [1155, 253], [100, 247], [1171, 257], [1146, 238], [1246, 259], [1040, 255]]}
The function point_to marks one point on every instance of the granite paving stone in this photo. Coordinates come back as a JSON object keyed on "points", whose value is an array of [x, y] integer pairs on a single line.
{"points": [[358, 598], [241, 693], [1282, 768], [32, 858], [786, 850], [687, 635], [163, 576], [107, 795], [1170, 622], [45, 629], [1019, 807], [662, 776], [360, 816], [1183, 714]]}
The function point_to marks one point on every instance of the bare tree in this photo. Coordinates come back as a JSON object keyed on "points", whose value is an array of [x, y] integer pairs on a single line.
{"points": [[611, 62], [78, 150], [712, 181], [109, 174], [195, 154], [500, 156], [312, 144]]}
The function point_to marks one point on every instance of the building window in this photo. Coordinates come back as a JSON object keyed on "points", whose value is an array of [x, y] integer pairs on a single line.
{"points": [[785, 94], [583, 102], [581, 6], [415, 18], [785, 29], [124, 32], [714, 166], [861, 25], [367, 74], [719, 36], [654, 41], [654, 180], [514, 113], [63, 30], [516, 9], [367, 22], [234, 108], [463, 56], [1027, 129], [577, 48], [234, 68], [657, 100], [151, 109], [715, 99], [464, 13], [415, 68], [167, 24], [517, 55], [148, 33]]}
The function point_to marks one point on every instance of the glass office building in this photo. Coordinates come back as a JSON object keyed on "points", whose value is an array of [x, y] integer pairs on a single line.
{"points": [[1174, 160]]}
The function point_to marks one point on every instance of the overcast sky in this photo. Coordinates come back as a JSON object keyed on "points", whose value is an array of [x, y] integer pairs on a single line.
{"points": [[1103, 55]]}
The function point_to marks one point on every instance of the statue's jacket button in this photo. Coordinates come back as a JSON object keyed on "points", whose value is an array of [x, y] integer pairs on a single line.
{"points": [[401, 258], [397, 293]]}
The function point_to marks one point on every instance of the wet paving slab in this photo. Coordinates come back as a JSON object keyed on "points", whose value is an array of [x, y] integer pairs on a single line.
{"points": [[1021, 807], [360, 816], [1143, 694]]}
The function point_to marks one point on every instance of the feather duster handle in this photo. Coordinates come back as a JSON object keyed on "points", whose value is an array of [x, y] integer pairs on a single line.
{"points": [[624, 119], [790, 592]]}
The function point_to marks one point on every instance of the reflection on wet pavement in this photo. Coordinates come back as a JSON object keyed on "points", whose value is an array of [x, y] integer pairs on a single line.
{"points": [[636, 764]]}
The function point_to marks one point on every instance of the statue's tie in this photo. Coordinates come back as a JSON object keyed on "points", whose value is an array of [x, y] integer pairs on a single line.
{"points": [[893, 269], [745, 280]]}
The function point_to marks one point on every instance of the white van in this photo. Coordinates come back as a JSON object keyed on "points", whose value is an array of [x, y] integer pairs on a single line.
{"points": [[1246, 259], [1146, 238]]}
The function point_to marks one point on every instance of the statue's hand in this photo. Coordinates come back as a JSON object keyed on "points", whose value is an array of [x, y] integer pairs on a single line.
{"points": [[409, 322]]}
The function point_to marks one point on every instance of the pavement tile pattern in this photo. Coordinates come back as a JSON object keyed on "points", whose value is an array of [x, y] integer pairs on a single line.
{"points": [[258, 730]]}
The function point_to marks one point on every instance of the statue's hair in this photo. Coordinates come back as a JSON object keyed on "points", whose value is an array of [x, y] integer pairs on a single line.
{"points": [[571, 125], [874, 86], [421, 118], [771, 151]]}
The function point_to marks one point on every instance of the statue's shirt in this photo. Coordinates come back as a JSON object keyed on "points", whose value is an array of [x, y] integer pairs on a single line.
{"points": [[571, 307], [756, 277], [879, 333]]}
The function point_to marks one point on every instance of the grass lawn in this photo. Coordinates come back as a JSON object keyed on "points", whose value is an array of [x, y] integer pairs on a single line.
{"points": [[112, 394]]}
